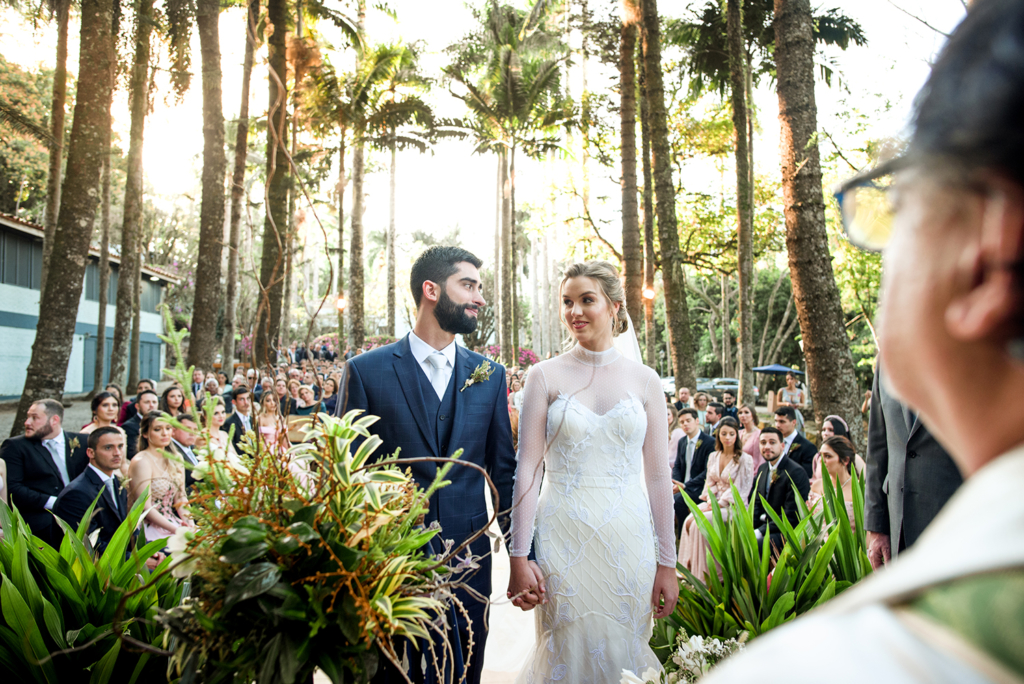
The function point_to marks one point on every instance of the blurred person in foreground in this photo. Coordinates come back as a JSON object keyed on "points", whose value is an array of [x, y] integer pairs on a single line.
{"points": [[951, 334]]}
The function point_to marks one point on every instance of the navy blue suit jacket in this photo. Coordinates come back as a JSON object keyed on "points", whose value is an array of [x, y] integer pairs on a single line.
{"points": [[383, 382]]}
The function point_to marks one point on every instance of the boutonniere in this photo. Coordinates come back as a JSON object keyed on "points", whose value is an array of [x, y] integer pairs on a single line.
{"points": [[122, 479], [481, 373], [775, 476], [74, 443], [699, 442]]}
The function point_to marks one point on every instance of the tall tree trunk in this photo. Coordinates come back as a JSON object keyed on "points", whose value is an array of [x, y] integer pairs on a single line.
{"points": [[355, 267], [632, 251], [506, 264], [291, 246], [744, 198], [238, 187], [499, 215], [534, 297], [513, 252], [726, 318], [341, 243], [134, 346], [650, 325], [275, 225], [677, 312], [202, 348], [830, 370], [55, 330], [131, 227], [104, 273], [391, 236], [53, 178], [547, 330]]}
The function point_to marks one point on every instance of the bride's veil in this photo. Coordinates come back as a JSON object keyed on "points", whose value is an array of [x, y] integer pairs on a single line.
{"points": [[627, 344]]}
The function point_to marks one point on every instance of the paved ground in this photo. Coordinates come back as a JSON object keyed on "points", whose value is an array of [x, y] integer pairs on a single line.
{"points": [[77, 416]]}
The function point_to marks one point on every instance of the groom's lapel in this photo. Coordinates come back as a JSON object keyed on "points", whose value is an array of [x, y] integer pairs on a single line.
{"points": [[406, 368], [463, 369]]}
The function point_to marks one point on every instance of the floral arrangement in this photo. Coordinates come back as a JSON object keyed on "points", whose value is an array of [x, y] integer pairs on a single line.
{"points": [[692, 658], [378, 341], [527, 357]]}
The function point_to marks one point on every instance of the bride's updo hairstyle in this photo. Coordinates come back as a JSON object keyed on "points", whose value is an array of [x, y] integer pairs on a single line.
{"points": [[607, 278]]}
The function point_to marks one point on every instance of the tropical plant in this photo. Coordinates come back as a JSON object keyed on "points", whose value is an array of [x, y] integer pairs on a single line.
{"points": [[824, 554], [72, 616]]}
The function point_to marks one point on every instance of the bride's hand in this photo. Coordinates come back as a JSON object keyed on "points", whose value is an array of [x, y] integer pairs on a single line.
{"points": [[666, 592], [526, 585]]}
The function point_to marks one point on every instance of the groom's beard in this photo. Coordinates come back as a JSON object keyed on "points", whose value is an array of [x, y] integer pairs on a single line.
{"points": [[452, 317]]}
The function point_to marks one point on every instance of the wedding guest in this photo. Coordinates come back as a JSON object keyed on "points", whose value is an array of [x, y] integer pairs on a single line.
{"points": [[198, 378], [713, 416], [129, 408], [795, 445], [172, 402], [729, 405], [307, 404], [210, 388], [794, 397], [241, 419], [147, 402], [309, 378], [330, 395], [271, 425], [700, 402], [183, 440], [834, 426], [683, 399], [105, 452], [750, 434], [838, 456], [213, 435], [41, 463], [116, 390], [675, 433], [167, 501], [774, 482], [951, 343], [689, 469], [515, 397], [104, 408], [726, 466], [910, 476]]}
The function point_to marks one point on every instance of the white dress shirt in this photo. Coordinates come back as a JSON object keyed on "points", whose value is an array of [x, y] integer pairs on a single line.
{"points": [[421, 350], [59, 460], [788, 441]]}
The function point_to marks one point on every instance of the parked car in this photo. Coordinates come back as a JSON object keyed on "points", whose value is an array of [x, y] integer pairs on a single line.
{"points": [[716, 387], [668, 386]]}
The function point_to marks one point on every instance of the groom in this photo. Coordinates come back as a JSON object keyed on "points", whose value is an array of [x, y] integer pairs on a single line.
{"points": [[419, 388]]}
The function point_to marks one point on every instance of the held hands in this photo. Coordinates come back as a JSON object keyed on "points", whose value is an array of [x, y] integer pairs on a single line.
{"points": [[666, 592], [526, 586], [879, 549]]}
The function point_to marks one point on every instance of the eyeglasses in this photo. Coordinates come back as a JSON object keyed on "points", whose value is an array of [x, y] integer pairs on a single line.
{"points": [[866, 207]]}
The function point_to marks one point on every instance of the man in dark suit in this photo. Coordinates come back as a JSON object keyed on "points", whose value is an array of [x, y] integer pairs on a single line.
{"points": [[183, 441], [241, 419], [794, 445], [147, 401], [713, 415], [910, 477], [774, 482], [419, 388], [131, 407], [729, 409], [41, 463], [690, 468], [105, 453]]}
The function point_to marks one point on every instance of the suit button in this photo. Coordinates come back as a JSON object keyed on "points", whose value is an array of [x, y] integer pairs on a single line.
{"points": [[911, 454], [442, 416]]}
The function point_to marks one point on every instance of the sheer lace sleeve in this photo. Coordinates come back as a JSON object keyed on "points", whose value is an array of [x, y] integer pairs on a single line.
{"points": [[533, 421], [659, 484]]}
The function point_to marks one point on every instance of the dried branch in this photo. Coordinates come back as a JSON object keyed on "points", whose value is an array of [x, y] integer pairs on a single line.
{"points": [[914, 16]]}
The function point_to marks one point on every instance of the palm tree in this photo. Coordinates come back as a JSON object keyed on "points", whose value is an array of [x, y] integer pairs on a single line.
{"points": [[830, 369], [632, 253], [47, 369], [61, 9]]}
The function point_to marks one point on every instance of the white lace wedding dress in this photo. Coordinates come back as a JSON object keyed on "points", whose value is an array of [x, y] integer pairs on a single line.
{"points": [[592, 423]]}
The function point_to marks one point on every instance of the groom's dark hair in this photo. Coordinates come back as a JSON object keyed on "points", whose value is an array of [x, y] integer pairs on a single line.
{"points": [[437, 264]]}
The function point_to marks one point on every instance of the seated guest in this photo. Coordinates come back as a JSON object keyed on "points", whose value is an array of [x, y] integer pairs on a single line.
{"points": [[272, 429], [285, 403], [688, 472], [104, 408], [683, 399], [837, 455], [293, 396], [147, 402], [198, 378], [728, 465], [330, 399], [834, 426], [700, 402], [172, 402], [211, 387], [750, 434], [241, 419], [712, 416], [675, 433], [307, 403], [128, 409], [229, 396], [105, 453], [116, 390], [168, 502], [213, 425], [183, 440], [729, 401], [795, 445], [309, 378], [41, 463], [773, 482]]}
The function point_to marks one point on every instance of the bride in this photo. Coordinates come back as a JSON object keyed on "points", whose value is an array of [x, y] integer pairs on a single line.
{"points": [[593, 420]]}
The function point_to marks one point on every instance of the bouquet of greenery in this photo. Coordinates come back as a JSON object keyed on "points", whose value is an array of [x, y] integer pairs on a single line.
{"points": [[692, 657]]}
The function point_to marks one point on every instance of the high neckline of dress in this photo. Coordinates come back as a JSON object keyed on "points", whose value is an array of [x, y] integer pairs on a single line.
{"points": [[592, 358]]}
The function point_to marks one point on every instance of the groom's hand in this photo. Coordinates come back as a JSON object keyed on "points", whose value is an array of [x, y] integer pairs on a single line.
{"points": [[526, 587]]}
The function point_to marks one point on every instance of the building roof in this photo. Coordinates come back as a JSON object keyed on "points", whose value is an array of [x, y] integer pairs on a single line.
{"points": [[155, 273]]}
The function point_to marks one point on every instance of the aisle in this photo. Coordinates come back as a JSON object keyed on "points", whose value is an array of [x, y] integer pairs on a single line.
{"points": [[511, 637]]}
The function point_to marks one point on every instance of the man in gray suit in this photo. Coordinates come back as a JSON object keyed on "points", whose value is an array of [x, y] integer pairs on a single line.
{"points": [[909, 476]]}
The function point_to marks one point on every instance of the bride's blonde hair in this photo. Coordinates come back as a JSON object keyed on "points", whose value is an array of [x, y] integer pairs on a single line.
{"points": [[607, 278]]}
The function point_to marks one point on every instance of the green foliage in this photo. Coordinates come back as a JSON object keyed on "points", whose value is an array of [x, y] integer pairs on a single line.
{"points": [[823, 555], [69, 612]]}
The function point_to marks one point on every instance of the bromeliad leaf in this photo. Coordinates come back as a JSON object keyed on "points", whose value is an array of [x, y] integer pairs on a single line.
{"points": [[251, 581]]}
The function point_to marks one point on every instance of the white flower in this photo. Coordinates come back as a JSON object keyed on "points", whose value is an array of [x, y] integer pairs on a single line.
{"points": [[651, 675], [182, 562], [630, 678]]}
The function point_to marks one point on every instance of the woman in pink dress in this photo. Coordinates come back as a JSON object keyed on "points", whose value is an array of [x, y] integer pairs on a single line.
{"points": [[834, 426], [750, 434], [675, 433], [838, 458], [728, 465]]}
